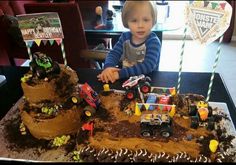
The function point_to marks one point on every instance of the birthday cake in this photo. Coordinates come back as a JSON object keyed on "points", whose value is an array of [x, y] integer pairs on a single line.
{"points": [[141, 123]]}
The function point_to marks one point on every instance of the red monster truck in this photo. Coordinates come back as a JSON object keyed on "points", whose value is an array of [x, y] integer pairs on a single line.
{"points": [[89, 96]]}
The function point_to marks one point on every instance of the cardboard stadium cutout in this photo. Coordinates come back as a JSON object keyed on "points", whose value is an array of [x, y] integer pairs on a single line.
{"points": [[208, 20]]}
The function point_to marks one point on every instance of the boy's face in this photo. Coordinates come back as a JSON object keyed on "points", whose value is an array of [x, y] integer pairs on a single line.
{"points": [[140, 22]]}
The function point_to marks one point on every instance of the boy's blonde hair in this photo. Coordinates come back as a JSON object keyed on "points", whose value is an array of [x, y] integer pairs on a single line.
{"points": [[129, 5]]}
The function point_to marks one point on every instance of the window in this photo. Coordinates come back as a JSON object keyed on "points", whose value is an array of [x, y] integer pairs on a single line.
{"points": [[176, 18]]}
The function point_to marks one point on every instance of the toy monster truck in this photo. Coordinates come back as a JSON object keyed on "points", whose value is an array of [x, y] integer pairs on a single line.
{"points": [[89, 96], [42, 65], [136, 82], [201, 115], [154, 123]]}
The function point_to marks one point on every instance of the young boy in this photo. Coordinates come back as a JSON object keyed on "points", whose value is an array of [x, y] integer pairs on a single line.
{"points": [[138, 49]]}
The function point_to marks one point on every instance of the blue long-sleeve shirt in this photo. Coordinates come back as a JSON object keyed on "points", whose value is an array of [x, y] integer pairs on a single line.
{"points": [[136, 59]]}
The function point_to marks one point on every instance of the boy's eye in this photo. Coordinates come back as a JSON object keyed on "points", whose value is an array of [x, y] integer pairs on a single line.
{"points": [[146, 20], [133, 20]]}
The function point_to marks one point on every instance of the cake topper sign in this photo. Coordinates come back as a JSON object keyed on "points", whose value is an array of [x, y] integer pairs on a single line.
{"points": [[208, 20], [37, 27], [43, 26]]}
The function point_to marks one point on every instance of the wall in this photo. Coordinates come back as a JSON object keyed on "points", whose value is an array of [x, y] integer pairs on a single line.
{"points": [[234, 34]]}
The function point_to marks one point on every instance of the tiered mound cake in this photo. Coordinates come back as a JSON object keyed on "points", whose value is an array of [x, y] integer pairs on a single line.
{"points": [[47, 110]]}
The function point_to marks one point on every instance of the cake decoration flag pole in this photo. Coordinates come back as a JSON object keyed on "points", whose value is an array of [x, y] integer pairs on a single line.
{"points": [[63, 53], [28, 45], [181, 60], [207, 22], [214, 69]]}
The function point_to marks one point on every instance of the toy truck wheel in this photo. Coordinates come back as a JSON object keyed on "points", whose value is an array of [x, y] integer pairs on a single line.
{"points": [[166, 132], [148, 79], [145, 87], [56, 68], [89, 111], [76, 100], [210, 123], [146, 133], [192, 110], [194, 122], [130, 94], [40, 72], [145, 130]]}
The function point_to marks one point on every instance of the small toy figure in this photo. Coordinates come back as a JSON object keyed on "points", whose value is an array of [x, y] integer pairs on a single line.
{"points": [[99, 19], [98, 11], [109, 21], [106, 87]]}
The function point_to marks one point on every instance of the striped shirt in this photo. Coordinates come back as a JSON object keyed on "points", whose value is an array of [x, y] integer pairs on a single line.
{"points": [[136, 59]]}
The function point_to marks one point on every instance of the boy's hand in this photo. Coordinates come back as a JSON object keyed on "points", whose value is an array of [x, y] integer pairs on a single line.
{"points": [[109, 74], [116, 76]]}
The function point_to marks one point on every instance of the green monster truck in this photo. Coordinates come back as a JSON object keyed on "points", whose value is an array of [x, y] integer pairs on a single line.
{"points": [[42, 65]]}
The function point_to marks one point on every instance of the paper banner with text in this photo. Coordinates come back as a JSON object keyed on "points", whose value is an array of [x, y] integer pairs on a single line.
{"points": [[40, 26], [207, 20]]}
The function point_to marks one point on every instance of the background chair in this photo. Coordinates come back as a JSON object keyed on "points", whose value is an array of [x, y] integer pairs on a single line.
{"points": [[87, 9], [8, 9]]}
